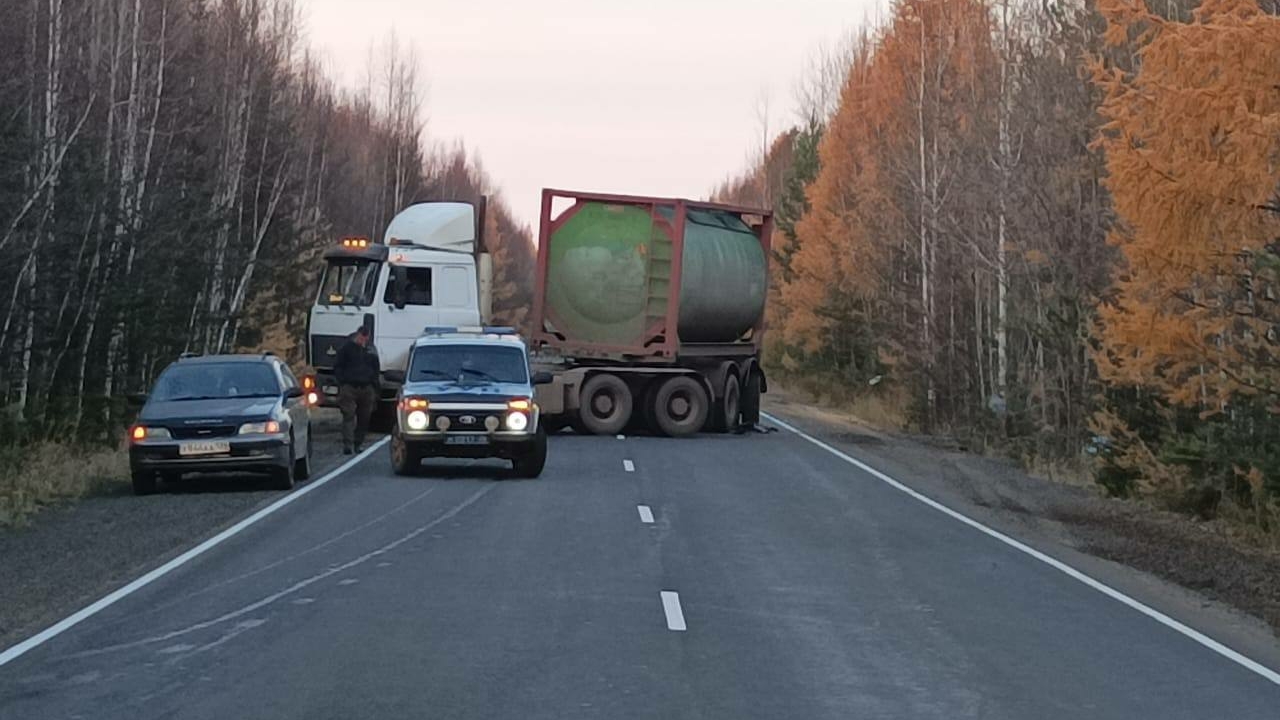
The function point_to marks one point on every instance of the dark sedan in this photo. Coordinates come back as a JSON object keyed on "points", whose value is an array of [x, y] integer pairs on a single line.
{"points": [[222, 413]]}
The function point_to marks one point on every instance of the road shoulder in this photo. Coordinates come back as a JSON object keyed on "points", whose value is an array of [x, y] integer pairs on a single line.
{"points": [[1146, 554], [68, 556]]}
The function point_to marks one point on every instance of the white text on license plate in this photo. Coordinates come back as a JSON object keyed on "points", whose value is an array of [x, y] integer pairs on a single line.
{"points": [[204, 447], [466, 440]]}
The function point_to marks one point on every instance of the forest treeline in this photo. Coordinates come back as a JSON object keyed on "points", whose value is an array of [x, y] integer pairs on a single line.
{"points": [[170, 172], [1050, 226]]}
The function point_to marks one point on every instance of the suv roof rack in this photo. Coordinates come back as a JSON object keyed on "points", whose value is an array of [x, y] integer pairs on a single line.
{"points": [[468, 330], [187, 354]]}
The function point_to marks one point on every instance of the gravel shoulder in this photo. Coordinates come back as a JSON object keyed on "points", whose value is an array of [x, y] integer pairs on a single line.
{"points": [[1199, 573], [68, 556]]}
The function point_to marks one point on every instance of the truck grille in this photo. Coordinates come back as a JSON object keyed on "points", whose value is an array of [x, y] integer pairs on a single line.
{"points": [[324, 350]]}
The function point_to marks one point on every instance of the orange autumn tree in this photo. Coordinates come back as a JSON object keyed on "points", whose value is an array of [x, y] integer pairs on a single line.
{"points": [[880, 245], [1192, 142]]}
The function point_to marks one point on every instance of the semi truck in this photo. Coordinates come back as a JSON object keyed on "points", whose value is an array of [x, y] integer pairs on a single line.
{"points": [[650, 312], [429, 269]]}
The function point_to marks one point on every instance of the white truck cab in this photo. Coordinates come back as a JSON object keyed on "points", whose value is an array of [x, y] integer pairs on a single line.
{"points": [[428, 270]]}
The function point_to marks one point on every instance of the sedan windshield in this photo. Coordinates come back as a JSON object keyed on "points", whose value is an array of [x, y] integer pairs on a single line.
{"points": [[209, 381], [468, 364]]}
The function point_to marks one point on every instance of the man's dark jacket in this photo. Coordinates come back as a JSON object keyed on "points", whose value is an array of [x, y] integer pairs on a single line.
{"points": [[357, 365]]}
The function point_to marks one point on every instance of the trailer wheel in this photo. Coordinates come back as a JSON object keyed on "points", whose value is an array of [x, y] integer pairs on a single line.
{"points": [[728, 406], [605, 404], [751, 399], [680, 406]]}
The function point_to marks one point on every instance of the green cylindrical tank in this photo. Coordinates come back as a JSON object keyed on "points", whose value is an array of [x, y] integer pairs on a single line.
{"points": [[609, 270]]}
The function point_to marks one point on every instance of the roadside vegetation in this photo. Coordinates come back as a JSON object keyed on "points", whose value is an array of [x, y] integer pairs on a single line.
{"points": [[1049, 229], [170, 172], [45, 473]]}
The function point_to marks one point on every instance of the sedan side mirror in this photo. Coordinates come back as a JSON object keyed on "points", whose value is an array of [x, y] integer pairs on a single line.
{"points": [[542, 377], [395, 376], [294, 392]]}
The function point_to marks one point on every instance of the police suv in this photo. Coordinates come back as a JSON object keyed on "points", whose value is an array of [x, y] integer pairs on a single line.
{"points": [[468, 393]]}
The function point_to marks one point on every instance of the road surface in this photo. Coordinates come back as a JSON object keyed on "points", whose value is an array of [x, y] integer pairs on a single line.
{"points": [[726, 577]]}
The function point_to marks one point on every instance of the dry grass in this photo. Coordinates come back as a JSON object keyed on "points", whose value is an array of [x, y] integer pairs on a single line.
{"points": [[52, 472]]}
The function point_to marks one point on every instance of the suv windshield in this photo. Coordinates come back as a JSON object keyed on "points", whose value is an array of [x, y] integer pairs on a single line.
{"points": [[349, 282], [208, 381], [468, 363]]}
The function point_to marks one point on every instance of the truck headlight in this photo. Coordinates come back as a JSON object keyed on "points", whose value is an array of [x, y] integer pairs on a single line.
{"points": [[417, 420], [517, 421]]}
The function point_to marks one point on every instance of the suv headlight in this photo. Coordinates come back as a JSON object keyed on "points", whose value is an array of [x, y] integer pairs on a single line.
{"points": [[517, 420], [270, 427], [417, 420]]}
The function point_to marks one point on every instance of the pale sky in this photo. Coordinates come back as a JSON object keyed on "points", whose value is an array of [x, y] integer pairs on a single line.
{"points": [[654, 97]]}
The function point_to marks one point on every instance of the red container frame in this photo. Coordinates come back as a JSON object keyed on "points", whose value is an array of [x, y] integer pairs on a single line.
{"points": [[669, 348]]}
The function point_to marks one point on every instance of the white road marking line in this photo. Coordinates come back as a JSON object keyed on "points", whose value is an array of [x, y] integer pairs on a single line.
{"points": [[622, 437], [112, 598], [646, 515], [628, 466], [671, 606], [1058, 565]]}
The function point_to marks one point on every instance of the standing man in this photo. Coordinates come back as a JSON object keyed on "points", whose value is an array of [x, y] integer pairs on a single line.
{"points": [[357, 370]]}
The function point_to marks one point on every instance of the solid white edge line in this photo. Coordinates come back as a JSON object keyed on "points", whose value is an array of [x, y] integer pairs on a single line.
{"points": [[671, 607], [628, 466], [1058, 565], [17, 651], [646, 515]]}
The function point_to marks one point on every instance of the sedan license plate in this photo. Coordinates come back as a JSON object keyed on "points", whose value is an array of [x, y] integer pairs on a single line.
{"points": [[466, 440], [204, 447]]}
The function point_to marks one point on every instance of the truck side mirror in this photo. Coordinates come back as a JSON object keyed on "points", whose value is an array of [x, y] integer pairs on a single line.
{"points": [[398, 278], [542, 377]]}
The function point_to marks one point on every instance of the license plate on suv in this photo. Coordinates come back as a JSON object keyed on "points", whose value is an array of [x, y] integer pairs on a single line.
{"points": [[204, 447], [466, 440]]}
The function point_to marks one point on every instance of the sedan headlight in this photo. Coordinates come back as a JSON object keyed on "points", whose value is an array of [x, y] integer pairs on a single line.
{"points": [[142, 432], [417, 420], [270, 427], [517, 421]]}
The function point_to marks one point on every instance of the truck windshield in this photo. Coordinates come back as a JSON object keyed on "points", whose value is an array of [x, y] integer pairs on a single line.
{"points": [[468, 364], [349, 282]]}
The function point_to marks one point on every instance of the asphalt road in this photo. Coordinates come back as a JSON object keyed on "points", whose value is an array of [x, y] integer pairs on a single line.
{"points": [[807, 589]]}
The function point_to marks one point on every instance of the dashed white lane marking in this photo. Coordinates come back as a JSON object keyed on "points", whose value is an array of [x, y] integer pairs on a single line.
{"points": [[646, 515], [98, 606], [671, 606], [1058, 565], [628, 466], [622, 437], [348, 581]]}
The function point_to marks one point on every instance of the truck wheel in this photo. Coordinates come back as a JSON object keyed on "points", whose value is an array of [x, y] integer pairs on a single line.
{"points": [[405, 458], [144, 482], [728, 406], [530, 464], [605, 404], [680, 406], [751, 399], [383, 417]]}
